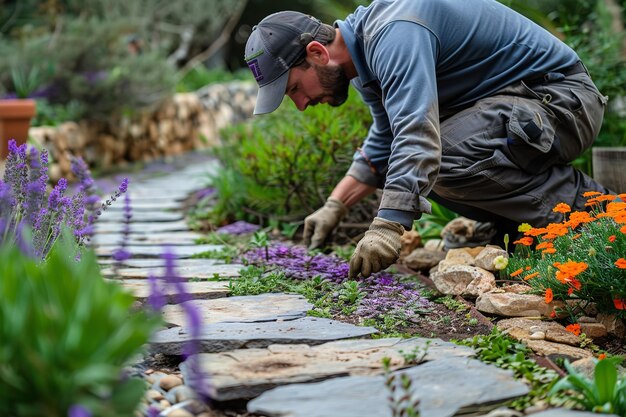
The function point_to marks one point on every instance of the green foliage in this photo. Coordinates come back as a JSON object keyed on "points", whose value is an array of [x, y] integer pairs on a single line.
{"points": [[202, 76], [430, 226], [66, 334], [400, 397], [605, 394], [283, 165], [49, 114], [506, 353], [452, 304]]}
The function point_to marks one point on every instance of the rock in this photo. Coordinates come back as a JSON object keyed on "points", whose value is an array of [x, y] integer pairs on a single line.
{"points": [[514, 305], [154, 395], [220, 337], [423, 259], [565, 412], [243, 309], [463, 280], [246, 373], [170, 381], [459, 257], [613, 324], [522, 329], [445, 387], [485, 259], [434, 245], [593, 330], [557, 350], [585, 366], [178, 412], [410, 240]]}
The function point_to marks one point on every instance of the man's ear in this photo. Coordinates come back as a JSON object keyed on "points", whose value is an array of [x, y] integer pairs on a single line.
{"points": [[317, 53]]}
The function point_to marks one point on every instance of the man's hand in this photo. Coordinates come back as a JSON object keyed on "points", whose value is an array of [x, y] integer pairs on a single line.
{"points": [[379, 248], [319, 225]]}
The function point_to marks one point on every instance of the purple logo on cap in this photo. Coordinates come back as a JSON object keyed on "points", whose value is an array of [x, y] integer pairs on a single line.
{"points": [[256, 70]]}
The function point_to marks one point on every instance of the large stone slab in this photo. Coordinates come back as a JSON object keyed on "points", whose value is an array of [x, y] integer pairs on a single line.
{"points": [[141, 227], [179, 252], [141, 216], [446, 387], [148, 205], [202, 290], [151, 239], [564, 412], [201, 271], [243, 309], [221, 337], [158, 263], [246, 373]]}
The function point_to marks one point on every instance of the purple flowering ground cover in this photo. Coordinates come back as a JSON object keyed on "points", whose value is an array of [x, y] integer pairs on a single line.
{"points": [[393, 303]]}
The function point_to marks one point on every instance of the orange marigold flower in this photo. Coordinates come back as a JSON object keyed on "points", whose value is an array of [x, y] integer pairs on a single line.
{"points": [[619, 216], [601, 356], [531, 276], [570, 291], [622, 196], [549, 251], [527, 268], [606, 197], [591, 193], [526, 241], [553, 314], [574, 283], [549, 296], [562, 208], [612, 238], [576, 236], [573, 328], [621, 263], [516, 273], [623, 229], [591, 202], [615, 206], [619, 303], [544, 245], [573, 268], [536, 231], [558, 229]]}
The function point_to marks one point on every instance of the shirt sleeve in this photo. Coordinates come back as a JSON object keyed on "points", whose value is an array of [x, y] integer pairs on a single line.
{"points": [[404, 141]]}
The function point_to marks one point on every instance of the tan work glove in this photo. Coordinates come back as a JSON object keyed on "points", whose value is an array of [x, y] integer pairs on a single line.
{"points": [[379, 248], [319, 225]]}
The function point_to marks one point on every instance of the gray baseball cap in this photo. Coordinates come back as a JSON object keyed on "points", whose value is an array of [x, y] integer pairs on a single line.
{"points": [[274, 45]]}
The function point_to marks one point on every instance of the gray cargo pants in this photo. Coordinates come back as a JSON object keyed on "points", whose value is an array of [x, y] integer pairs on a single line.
{"points": [[507, 158]]}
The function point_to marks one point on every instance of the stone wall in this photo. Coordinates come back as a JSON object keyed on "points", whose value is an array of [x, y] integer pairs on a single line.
{"points": [[185, 122]]}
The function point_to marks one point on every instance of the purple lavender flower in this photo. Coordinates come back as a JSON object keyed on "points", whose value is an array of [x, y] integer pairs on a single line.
{"points": [[121, 254], [157, 298], [78, 410], [239, 228]]}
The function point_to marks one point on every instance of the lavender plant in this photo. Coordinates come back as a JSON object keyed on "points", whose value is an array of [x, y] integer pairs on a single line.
{"points": [[26, 203]]}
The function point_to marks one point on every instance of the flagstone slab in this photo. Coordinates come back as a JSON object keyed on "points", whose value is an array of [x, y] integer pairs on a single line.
{"points": [[221, 337], [141, 216], [564, 412], [242, 309], [202, 290], [201, 271], [246, 373], [149, 239], [157, 263], [445, 387], [155, 205], [178, 252], [141, 227]]}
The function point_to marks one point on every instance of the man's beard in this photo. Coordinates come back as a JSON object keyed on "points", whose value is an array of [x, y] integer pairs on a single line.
{"points": [[335, 83]]}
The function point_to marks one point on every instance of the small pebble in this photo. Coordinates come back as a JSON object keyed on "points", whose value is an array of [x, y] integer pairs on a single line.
{"points": [[154, 395], [538, 336], [170, 381], [179, 412], [165, 403], [535, 329]]}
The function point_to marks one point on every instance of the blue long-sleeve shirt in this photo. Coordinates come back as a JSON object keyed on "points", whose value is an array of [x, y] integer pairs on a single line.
{"points": [[418, 60]]}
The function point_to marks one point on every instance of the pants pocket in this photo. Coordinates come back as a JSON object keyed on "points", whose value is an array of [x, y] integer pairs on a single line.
{"points": [[531, 137]]}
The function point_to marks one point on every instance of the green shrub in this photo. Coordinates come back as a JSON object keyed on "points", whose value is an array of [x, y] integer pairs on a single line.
{"points": [[286, 163], [201, 76], [66, 334]]}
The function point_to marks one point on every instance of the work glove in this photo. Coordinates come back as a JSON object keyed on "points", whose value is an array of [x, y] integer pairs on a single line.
{"points": [[319, 225], [379, 248]]}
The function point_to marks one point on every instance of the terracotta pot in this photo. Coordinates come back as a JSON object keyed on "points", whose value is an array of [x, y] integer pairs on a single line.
{"points": [[15, 115]]}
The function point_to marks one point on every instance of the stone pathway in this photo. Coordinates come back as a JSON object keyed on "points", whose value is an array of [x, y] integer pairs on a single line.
{"points": [[265, 348]]}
